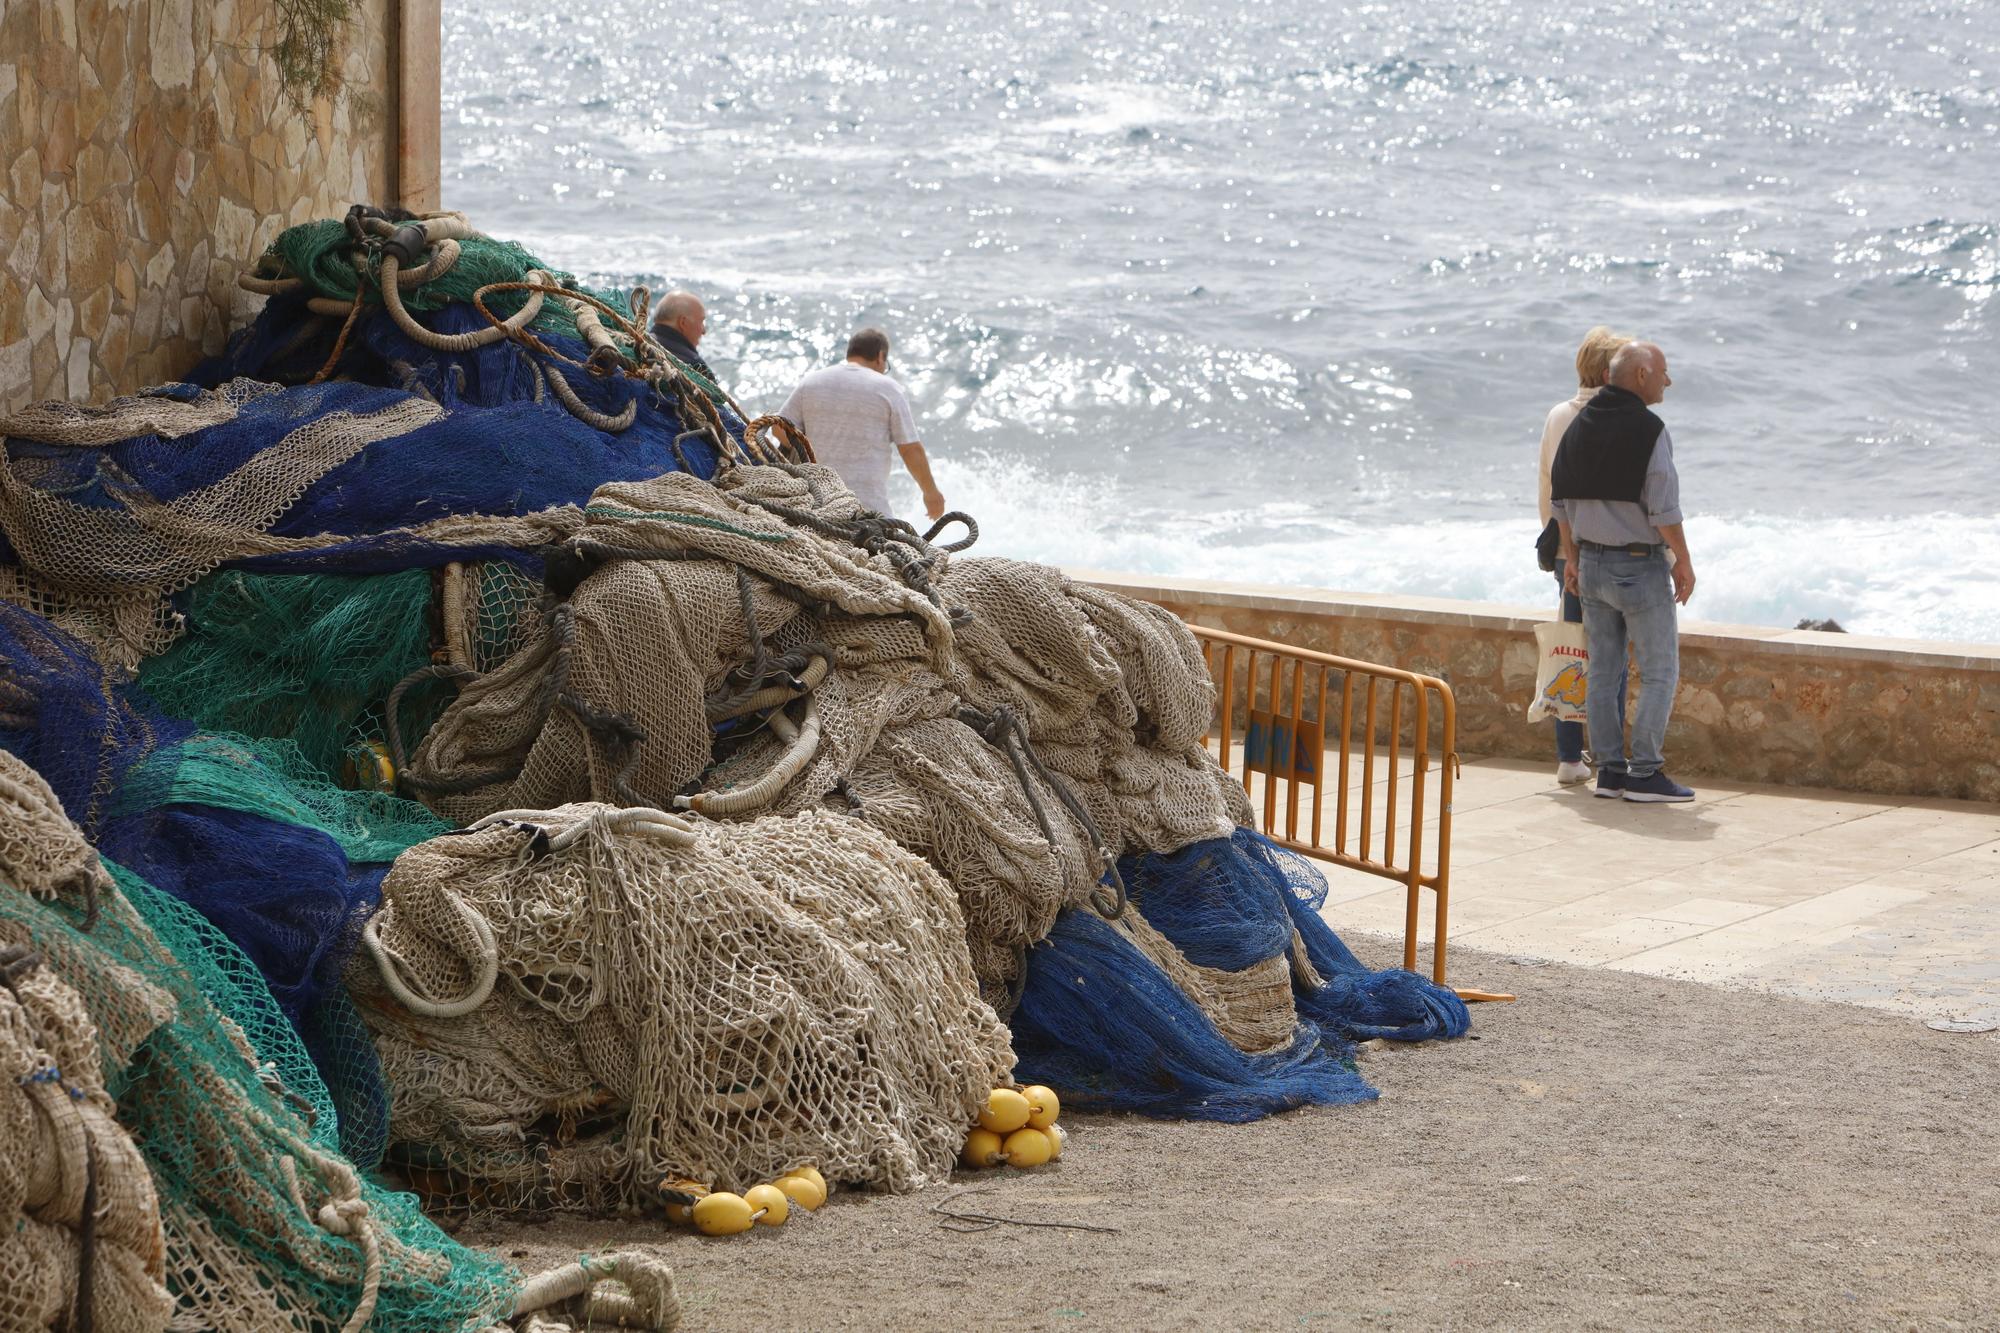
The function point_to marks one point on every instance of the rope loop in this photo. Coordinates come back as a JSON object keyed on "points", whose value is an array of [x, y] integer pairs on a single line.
{"points": [[945, 521], [390, 968]]}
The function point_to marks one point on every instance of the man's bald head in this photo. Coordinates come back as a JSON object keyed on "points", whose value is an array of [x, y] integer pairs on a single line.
{"points": [[682, 311], [1641, 368]]}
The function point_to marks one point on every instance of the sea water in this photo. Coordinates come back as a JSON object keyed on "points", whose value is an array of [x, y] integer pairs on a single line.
{"points": [[1281, 291]]}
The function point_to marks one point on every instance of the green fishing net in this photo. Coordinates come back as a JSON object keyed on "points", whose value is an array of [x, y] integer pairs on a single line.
{"points": [[240, 1134], [322, 253], [307, 658]]}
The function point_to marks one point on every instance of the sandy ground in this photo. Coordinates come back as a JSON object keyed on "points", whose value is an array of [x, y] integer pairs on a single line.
{"points": [[1614, 1151]]}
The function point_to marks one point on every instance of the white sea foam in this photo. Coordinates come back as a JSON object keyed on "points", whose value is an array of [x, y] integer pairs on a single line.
{"points": [[1935, 576]]}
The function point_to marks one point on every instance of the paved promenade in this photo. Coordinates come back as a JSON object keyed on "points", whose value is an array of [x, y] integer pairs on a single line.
{"points": [[1875, 900]]}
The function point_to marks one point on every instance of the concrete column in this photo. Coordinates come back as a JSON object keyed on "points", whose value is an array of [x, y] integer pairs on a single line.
{"points": [[418, 104]]}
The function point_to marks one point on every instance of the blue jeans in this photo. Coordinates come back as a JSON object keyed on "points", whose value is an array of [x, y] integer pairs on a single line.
{"points": [[1569, 735], [1629, 600]]}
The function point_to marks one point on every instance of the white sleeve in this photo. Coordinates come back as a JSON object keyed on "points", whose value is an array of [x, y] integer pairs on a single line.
{"points": [[902, 424], [791, 410]]}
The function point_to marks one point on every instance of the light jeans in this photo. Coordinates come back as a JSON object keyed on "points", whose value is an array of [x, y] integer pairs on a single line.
{"points": [[1569, 735], [1629, 600]]}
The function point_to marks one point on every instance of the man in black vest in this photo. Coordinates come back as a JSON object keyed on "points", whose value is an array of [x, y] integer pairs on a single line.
{"points": [[678, 322], [1617, 499]]}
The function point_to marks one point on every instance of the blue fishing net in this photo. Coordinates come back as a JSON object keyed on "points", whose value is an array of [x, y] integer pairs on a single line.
{"points": [[1100, 1021], [510, 459], [1233, 903], [285, 864], [288, 345]]}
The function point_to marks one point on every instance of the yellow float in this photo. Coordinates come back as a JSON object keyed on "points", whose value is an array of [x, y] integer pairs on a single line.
{"points": [[1006, 1111], [723, 1214], [768, 1204], [1027, 1147], [1018, 1128], [982, 1149], [802, 1191]]}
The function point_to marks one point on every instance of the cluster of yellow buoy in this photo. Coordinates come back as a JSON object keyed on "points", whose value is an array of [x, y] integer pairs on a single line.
{"points": [[1017, 1128], [722, 1213]]}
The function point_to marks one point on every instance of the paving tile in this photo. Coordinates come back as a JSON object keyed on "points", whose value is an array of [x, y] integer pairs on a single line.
{"points": [[1873, 900], [1707, 911], [1755, 940]]}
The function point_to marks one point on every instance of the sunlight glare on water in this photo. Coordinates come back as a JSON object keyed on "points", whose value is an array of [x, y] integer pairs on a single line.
{"points": [[1281, 292]]}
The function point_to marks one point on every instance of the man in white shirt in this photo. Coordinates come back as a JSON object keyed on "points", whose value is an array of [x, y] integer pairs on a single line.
{"points": [[854, 414]]}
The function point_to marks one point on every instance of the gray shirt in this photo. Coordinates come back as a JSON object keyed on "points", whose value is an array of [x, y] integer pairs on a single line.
{"points": [[1622, 522]]}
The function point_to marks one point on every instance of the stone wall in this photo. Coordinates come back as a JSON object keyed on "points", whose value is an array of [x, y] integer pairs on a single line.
{"points": [[1823, 710], [147, 156]]}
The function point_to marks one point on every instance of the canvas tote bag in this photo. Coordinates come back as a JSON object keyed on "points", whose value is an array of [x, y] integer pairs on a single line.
{"points": [[1562, 674]]}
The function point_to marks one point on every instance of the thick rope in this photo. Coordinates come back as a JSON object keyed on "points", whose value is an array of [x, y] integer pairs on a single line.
{"points": [[756, 699], [793, 446], [339, 343], [641, 819], [649, 1302], [393, 725], [582, 411], [346, 1216], [514, 326], [804, 744]]}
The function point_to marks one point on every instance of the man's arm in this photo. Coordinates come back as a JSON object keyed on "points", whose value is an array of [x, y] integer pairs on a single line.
{"points": [[1662, 497], [1569, 551], [919, 464], [1683, 570]]}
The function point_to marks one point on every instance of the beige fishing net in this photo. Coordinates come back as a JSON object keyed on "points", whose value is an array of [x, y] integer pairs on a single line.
{"points": [[573, 1005], [760, 644]]}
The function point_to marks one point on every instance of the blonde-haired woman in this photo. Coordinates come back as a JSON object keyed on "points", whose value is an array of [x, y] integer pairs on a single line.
{"points": [[1593, 368]]}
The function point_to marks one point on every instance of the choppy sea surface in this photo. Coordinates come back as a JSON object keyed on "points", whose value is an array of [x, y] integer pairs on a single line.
{"points": [[1281, 291]]}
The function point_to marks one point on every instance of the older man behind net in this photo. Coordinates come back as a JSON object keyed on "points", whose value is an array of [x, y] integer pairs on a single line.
{"points": [[1616, 495], [679, 322]]}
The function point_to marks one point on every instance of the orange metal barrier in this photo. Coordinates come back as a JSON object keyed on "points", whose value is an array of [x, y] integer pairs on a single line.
{"points": [[1286, 716]]}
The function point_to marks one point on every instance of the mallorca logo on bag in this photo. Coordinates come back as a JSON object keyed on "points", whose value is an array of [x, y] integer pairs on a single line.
{"points": [[1567, 685]]}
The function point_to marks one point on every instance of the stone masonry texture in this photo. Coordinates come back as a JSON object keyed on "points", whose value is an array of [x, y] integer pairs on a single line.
{"points": [[147, 157], [1860, 720]]}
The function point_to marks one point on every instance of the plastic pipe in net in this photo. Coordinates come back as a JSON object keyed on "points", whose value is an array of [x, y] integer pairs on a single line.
{"points": [[628, 819], [776, 696], [804, 745], [392, 977], [392, 298]]}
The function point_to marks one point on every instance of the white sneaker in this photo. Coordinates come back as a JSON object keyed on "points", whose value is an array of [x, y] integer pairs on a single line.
{"points": [[1571, 772]]}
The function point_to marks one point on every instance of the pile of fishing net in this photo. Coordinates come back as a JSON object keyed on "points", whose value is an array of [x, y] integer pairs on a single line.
{"points": [[170, 1154], [759, 646], [584, 791], [430, 305], [575, 1005]]}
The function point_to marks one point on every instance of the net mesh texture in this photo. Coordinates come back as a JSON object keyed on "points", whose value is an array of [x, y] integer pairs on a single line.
{"points": [[556, 799]]}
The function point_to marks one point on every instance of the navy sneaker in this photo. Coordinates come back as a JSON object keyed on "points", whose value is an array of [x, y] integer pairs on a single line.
{"points": [[1609, 784], [1656, 787]]}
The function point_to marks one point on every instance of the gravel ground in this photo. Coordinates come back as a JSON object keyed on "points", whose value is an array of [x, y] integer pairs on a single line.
{"points": [[1614, 1151]]}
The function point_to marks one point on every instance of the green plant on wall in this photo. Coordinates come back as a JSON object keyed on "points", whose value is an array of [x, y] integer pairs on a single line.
{"points": [[308, 48]]}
